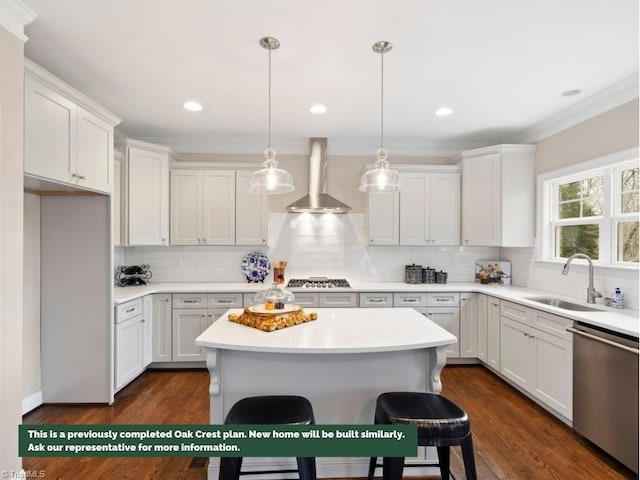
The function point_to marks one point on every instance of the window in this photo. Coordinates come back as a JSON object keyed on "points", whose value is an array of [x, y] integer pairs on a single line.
{"points": [[593, 210]]}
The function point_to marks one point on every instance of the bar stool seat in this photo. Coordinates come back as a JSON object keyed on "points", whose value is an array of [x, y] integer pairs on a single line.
{"points": [[274, 410], [441, 423]]}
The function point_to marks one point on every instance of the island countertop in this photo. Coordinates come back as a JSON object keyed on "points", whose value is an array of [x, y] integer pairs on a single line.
{"points": [[336, 330]]}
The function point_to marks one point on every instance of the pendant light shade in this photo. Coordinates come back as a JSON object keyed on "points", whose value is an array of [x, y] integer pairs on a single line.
{"points": [[270, 180], [381, 178]]}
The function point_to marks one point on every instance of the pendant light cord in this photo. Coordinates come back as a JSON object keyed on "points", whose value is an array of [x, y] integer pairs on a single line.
{"points": [[269, 141], [382, 101]]}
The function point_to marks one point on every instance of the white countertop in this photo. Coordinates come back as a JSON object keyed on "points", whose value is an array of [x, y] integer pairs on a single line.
{"points": [[622, 321], [336, 330]]}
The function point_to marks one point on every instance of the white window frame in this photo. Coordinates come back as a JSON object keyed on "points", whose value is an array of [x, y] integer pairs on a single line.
{"points": [[610, 166]]}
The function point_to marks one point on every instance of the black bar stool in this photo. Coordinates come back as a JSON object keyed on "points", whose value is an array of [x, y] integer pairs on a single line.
{"points": [[441, 423], [275, 410]]}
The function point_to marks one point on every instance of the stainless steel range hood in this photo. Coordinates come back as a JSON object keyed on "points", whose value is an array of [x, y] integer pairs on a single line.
{"points": [[318, 200]]}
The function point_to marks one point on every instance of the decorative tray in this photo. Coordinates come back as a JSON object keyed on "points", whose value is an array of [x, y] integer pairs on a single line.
{"points": [[271, 320]]}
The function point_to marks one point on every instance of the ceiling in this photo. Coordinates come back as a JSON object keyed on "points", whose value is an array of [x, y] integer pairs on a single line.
{"points": [[501, 65]]}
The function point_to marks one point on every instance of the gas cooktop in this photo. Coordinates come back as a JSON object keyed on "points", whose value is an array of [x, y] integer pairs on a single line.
{"points": [[318, 282]]}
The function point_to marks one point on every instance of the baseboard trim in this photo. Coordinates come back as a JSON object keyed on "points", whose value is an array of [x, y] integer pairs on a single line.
{"points": [[32, 401]]}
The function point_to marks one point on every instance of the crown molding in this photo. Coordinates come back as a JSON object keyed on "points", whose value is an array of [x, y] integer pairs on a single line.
{"points": [[34, 70], [14, 16], [603, 101], [300, 146]]}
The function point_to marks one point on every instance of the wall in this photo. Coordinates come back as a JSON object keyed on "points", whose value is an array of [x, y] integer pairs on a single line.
{"points": [[11, 219], [31, 351], [314, 245], [604, 134]]}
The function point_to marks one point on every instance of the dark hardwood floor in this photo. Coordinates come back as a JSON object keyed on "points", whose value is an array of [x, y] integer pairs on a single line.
{"points": [[513, 438]]}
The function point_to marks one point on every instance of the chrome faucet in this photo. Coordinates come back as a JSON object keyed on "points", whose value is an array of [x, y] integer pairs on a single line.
{"points": [[592, 293]]}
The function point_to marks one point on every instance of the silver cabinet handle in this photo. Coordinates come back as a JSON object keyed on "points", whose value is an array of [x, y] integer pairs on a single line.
{"points": [[189, 300], [166, 300], [603, 340], [81, 177], [142, 320], [376, 300], [225, 301], [129, 310]]}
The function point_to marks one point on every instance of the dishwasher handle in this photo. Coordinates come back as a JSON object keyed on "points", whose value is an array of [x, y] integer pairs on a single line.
{"points": [[603, 340]]}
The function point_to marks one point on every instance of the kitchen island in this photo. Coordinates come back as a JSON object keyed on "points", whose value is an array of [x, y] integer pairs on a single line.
{"points": [[341, 362]]}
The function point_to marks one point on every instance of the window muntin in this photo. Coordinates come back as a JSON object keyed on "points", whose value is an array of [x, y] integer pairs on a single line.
{"points": [[595, 212]]}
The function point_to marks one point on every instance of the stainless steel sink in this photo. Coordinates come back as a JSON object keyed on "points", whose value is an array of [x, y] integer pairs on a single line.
{"points": [[555, 302]]}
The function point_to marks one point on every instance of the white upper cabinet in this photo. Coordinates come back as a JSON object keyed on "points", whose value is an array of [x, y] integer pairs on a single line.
{"points": [[383, 218], [68, 137], [426, 211], [146, 195], [202, 207], [430, 209], [251, 212], [498, 196], [210, 206]]}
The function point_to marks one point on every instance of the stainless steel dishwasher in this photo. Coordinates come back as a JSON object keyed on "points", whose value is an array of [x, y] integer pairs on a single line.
{"points": [[605, 391]]}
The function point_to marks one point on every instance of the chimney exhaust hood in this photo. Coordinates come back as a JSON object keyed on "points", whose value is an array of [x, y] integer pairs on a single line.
{"points": [[318, 200]]}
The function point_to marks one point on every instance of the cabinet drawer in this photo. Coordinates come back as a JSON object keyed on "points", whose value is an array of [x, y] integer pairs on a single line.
{"points": [[307, 299], [128, 310], [552, 324], [516, 312], [189, 300], [376, 300], [443, 299], [337, 299], [225, 300], [409, 299]]}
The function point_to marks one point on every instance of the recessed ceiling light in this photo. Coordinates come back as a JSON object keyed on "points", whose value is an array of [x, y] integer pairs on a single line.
{"points": [[572, 93], [444, 111], [192, 106], [318, 109]]}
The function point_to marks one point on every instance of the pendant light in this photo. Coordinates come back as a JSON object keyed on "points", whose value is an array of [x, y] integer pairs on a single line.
{"points": [[270, 180], [381, 178]]}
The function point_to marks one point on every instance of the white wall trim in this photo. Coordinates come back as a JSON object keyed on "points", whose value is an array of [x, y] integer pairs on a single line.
{"points": [[14, 16], [614, 96], [253, 146], [32, 401]]}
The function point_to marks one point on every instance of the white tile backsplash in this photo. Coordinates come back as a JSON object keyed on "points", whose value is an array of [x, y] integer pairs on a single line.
{"points": [[313, 245]]}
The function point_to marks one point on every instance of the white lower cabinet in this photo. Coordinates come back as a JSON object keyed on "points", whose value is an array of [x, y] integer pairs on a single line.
{"points": [[481, 348], [541, 363], [468, 339], [129, 342], [493, 333], [161, 337], [192, 314], [443, 309], [188, 324]]}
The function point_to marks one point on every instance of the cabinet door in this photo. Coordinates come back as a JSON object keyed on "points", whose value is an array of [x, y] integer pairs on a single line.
{"points": [[553, 360], [147, 329], [468, 339], [449, 319], [128, 351], [219, 207], [188, 324], [161, 349], [148, 197], [383, 218], [444, 205], [493, 333], [251, 213], [415, 210], [186, 207], [116, 201], [481, 200], [49, 133], [482, 327], [95, 152], [516, 352]]}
